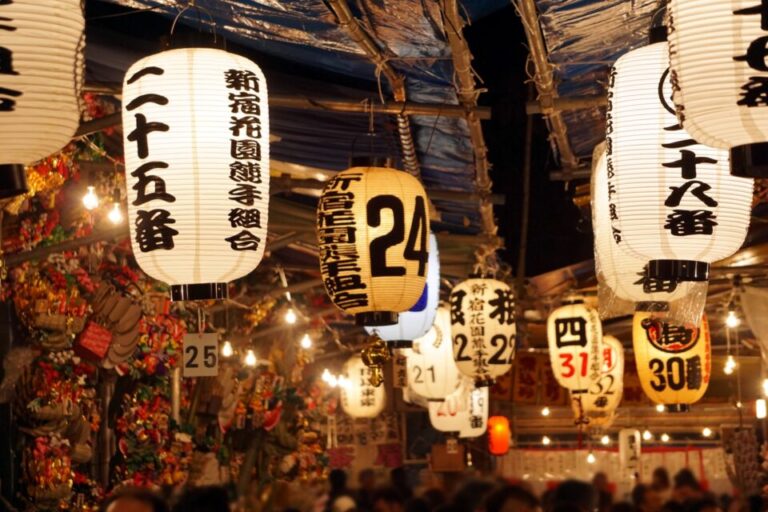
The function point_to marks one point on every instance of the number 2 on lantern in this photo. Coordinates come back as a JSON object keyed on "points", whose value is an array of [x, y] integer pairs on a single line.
{"points": [[565, 361], [417, 235]]}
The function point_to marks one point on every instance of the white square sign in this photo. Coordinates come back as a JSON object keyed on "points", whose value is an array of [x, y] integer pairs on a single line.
{"points": [[201, 355]]}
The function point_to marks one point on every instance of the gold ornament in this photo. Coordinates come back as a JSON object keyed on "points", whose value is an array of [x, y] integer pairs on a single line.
{"points": [[374, 356]]}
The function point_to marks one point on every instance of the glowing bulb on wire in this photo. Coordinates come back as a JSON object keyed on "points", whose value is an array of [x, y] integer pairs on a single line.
{"points": [[665, 438], [647, 436], [706, 432], [290, 316], [732, 320], [90, 199], [306, 342], [605, 440], [660, 408], [591, 459], [226, 349], [545, 411], [730, 365], [115, 215], [546, 441], [765, 387], [250, 359]]}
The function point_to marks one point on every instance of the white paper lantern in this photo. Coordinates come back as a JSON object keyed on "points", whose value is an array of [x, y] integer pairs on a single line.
{"points": [[431, 370], [574, 332], [464, 411], [620, 270], [717, 55], [417, 321], [372, 231], [359, 399], [483, 328], [672, 200], [41, 65], [603, 396], [196, 135]]}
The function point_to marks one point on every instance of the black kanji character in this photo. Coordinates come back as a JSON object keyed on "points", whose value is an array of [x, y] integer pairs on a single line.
{"points": [[336, 252], [691, 222], [245, 171], [250, 124], [144, 181], [153, 231], [244, 103], [151, 70], [245, 218], [503, 306], [347, 300], [245, 194], [654, 285], [337, 235], [245, 149], [601, 402], [476, 421], [687, 162], [693, 373], [756, 53], [700, 192], [333, 200], [342, 182], [571, 331], [338, 284], [755, 92], [761, 9], [9, 28], [336, 218], [139, 134], [144, 99], [6, 62], [241, 80], [457, 302], [334, 268], [668, 336], [7, 104], [244, 241]]}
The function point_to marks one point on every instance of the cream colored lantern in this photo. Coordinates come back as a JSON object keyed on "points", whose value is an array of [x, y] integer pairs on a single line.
{"points": [[673, 361], [431, 370], [372, 230], [483, 328], [465, 411], [196, 136], [417, 321], [42, 66], [574, 333], [598, 405], [672, 200], [359, 398]]}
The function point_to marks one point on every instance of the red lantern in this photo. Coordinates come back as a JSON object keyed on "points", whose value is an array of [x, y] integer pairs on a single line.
{"points": [[498, 435]]}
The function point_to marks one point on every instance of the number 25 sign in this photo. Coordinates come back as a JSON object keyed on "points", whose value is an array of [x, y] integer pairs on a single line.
{"points": [[201, 355]]}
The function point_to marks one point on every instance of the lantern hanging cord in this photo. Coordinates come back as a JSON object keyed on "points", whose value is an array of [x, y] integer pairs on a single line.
{"points": [[192, 4], [662, 9]]}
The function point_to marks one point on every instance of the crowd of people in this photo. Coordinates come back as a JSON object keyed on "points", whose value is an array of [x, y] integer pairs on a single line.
{"points": [[683, 493]]}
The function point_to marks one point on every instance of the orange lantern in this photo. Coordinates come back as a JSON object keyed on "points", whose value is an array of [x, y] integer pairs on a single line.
{"points": [[498, 435]]}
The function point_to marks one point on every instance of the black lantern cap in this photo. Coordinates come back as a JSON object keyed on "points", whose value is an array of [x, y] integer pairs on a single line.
{"points": [[400, 343], [657, 34], [750, 160], [13, 180], [678, 270], [483, 382], [199, 291], [376, 318], [371, 161], [677, 408]]}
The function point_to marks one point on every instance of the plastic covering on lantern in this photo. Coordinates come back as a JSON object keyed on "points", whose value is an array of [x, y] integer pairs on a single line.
{"points": [[621, 277]]}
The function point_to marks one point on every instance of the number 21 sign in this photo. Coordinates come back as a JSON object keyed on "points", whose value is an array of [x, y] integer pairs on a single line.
{"points": [[201, 355]]}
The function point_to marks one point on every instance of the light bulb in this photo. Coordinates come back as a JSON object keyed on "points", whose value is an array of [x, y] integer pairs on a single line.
{"points": [[226, 349], [760, 408], [343, 382], [250, 358], [115, 215], [90, 199], [732, 320], [545, 411], [306, 342], [660, 408], [605, 440], [647, 436], [326, 375], [290, 316], [765, 387], [591, 459], [546, 441], [706, 432], [730, 365], [665, 438]]}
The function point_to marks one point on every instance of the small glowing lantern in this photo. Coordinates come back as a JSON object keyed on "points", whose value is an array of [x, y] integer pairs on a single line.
{"points": [[673, 361], [599, 403], [431, 370], [672, 200], [196, 136], [498, 435], [41, 64], [574, 333], [483, 328], [359, 398], [372, 231], [417, 321]]}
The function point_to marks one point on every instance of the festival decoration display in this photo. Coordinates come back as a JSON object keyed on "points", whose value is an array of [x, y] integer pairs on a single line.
{"points": [[465, 411], [359, 398], [42, 72], [597, 407], [372, 231], [719, 74], [498, 435], [673, 361], [574, 333], [417, 321], [672, 200], [430, 368], [196, 136], [483, 328]]}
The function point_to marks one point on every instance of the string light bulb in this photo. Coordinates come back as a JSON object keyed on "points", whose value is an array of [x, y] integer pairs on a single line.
{"points": [[226, 349], [591, 459], [306, 342], [664, 437], [760, 409], [730, 365], [732, 320], [706, 432], [660, 408], [605, 440], [90, 199], [115, 215], [647, 436], [765, 387], [290, 316], [546, 441], [545, 411], [250, 359]]}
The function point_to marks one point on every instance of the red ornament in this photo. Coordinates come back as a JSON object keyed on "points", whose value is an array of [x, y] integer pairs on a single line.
{"points": [[498, 435]]}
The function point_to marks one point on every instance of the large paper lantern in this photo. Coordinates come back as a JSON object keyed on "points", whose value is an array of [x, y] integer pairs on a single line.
{"points": [[719, 72], [417, 321], [41, 64], [498, 435], [598, 405], [359, 399], [464, 411], [196, 136], [574, 332], [483, 328], [673, 361], [672, 201], [431, 370]]}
